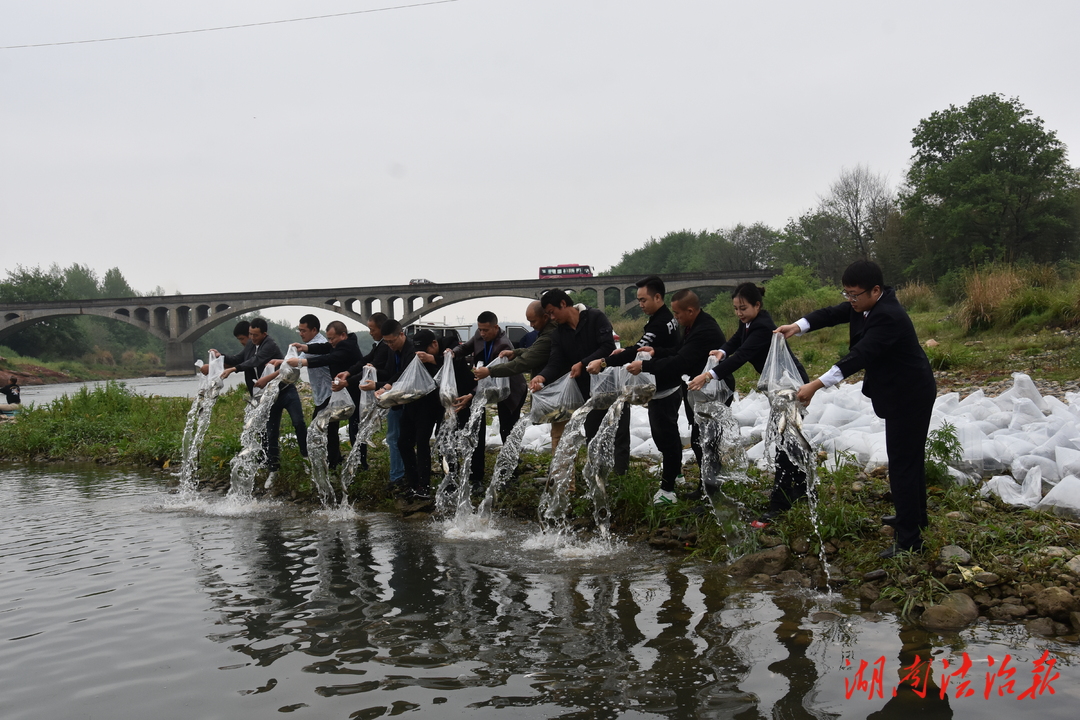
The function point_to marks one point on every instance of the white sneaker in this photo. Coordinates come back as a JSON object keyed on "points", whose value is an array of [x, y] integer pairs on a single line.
{"points": [[664, 497], [270, 480]]}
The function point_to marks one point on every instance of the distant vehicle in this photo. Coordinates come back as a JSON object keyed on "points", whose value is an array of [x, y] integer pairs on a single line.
{"points": [[420, 281], [566, 271], [457, 332]]}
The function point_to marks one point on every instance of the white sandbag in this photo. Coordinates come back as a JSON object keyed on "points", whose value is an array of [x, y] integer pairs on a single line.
{"points": [[1022, 464], [1023, 389], [1025, 412], [647, 449], [948, 404], [1000, 419], [1068, 461], [1063, 499], [1026, 495], [756, 453]]}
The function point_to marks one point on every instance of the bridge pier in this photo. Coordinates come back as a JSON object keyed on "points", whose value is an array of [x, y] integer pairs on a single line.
{"points": [[179, 358]]}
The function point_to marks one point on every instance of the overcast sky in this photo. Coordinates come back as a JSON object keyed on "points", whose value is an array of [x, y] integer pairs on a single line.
{"points": [[470, 140]]}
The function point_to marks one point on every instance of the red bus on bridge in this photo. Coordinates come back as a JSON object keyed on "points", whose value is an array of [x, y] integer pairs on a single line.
{"points": [[566, 271]]}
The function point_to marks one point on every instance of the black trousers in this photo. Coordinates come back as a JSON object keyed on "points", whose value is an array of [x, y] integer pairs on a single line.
{"points": [[664, 424], [789, 485], [418, 421], [288, 400], [905, 442], [622, 436], [509, 412]]}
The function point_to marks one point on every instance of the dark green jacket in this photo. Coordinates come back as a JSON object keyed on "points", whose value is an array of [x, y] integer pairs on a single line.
{"points": [[531, 359]]}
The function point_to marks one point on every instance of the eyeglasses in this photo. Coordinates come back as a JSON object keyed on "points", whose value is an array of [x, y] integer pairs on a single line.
{"points": [[852, 296]]}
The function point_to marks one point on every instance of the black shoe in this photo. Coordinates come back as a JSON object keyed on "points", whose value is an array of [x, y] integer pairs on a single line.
{"points": [[695, 495], [889, 520], [896, 551]]}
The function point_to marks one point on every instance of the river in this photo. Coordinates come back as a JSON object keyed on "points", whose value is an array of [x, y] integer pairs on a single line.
{"points": [[116, 603]]}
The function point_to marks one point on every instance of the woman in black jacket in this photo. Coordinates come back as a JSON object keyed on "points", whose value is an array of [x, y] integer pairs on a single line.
{"points": [[750, 344]]}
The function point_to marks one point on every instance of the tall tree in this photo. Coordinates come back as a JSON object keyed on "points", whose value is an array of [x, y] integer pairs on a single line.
{"points": [[52, 338], [863, 201], [989, 182]]}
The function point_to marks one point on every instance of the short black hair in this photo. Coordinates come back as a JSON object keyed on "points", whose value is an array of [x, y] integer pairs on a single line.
{"points": [[241, 328], [422, 338], [749, 292], [865, 274], [390, 327], [555, 298], [338, 327], [258, 324], [379, 319], [687, 298], [311, 321], [487, 317], [448, 342], [653, 285]]}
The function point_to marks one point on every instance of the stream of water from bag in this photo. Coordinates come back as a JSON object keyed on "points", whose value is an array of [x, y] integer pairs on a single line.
{"points": [[317, 454]]}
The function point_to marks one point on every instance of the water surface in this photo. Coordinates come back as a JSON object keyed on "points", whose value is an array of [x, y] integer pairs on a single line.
{"points": [[114, 604]]}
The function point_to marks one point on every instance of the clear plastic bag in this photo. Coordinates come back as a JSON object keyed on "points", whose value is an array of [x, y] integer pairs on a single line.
{"points": [[714, 390], [286, 372], [780, 371], [556, 402], [367, 397], [604, 387], [447, 381], [494, 389], [340, 407], [638, 389], [414, 383]]}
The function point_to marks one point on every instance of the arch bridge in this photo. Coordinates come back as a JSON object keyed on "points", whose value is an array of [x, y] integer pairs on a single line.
{"points": [[179, 320]]}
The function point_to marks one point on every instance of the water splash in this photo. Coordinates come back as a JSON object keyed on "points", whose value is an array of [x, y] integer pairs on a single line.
{"points": [[317, 455], [370, 419], [783, 432], [721, 448], [505, 464], [555, 502], [198, 420], [455, 490]]}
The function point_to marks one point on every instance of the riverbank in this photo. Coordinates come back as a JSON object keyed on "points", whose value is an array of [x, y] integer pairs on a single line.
{"points": [[1010, 563], [32, 371]]}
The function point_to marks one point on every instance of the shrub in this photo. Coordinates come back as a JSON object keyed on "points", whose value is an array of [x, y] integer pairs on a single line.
{"points": [[916, 297]]}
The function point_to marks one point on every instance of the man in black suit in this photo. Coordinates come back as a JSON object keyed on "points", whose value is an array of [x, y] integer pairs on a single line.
{"points": [[898, 380]]}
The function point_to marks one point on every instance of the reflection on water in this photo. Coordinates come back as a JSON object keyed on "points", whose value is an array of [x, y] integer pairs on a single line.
{"points": [[121, 608]]}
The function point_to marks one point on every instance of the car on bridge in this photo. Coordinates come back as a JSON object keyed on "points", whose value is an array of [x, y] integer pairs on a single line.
{"points": [[420, 281]]}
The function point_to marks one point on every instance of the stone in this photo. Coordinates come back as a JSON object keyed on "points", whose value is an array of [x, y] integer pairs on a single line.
{"points": [[1062, 629], [884, 606], [770, 541], [1007, 612], [880, 471], [931, 343], [800, 546], [986, 579], [760, 579], [1054, 551], [1074, 619], [955, 554], [874, 575], [957, 515], [869, 593], [982, 507], [954, 612], [769, 562], [953, 581], [790, 577], [1041, 626], [857, 486], [1056, 603], [1074, 565]]}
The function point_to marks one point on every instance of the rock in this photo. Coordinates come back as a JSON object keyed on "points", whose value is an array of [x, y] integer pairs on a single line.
{"points": [[982, 507], [791, 577], [1056, 603], [874, 575], [1062, 629], [869, 593], [1054, 551], [957, 515], [1041, 626], [884, 606], [857, 486], [1007, 612], [986, 579], [954, 612], [931, 343], [1074, 618], [982, 599], [770, 541], [829, 548], [800, 546], [760, 579], [880, 471], [955, 554], [953, 581], [1074, 565], [769, 562]]}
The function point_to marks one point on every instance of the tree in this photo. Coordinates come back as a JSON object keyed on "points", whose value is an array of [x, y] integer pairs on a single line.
{"points": [[818, 240], [52, 338], [988, 182], [863, 201]]}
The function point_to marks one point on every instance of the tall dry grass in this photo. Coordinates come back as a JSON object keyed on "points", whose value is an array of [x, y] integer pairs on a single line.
{"points": [[985, 292], [917, 297]]}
